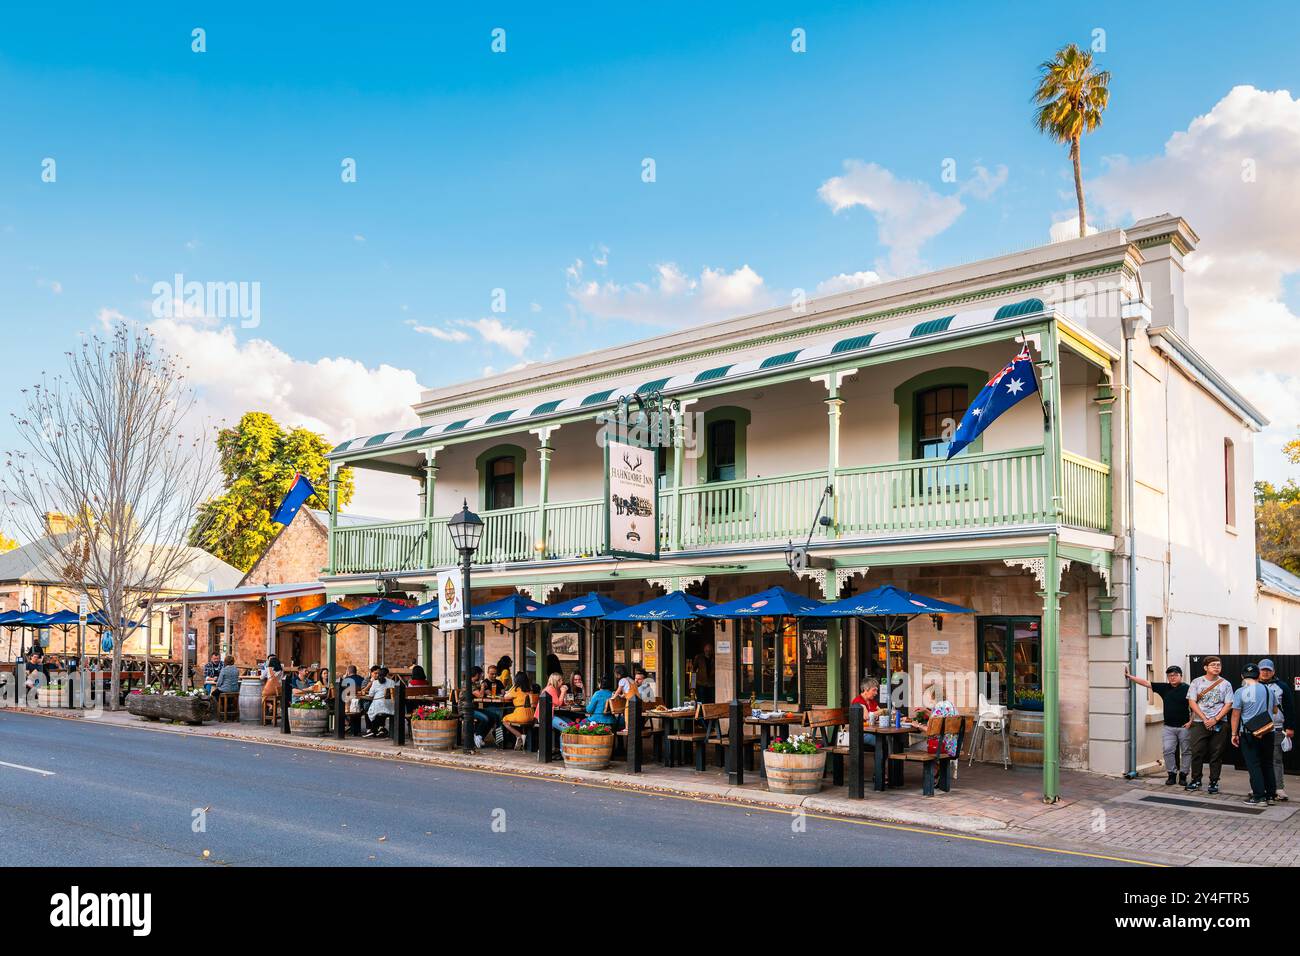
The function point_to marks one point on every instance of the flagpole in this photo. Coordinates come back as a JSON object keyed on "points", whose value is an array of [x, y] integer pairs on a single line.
{"points": [[1024, 341]]}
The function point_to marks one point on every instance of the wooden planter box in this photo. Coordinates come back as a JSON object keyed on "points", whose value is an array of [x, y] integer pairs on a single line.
{"points": [[309, 721], [587, 751], [794, 773], [189, 710], [434, 734]]}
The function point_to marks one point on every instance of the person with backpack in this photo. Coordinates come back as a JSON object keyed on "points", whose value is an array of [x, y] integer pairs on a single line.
{"points": [[1252, 732], [1283, 723], [1210, 700]]}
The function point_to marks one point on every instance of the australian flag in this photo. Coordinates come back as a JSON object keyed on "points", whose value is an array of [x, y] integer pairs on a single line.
{"points": [[1003, 390], [299, 492]]}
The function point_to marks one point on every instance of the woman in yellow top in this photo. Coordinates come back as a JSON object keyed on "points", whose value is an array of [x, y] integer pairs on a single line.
{"points": [[523, 701], [503, 670]]}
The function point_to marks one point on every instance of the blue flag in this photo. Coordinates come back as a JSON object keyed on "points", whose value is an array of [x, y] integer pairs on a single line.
{"points": [[299, 492], [1003, 390]]}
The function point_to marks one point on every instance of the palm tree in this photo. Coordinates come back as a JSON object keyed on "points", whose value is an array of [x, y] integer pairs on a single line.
{"points": [[1071, 96]]}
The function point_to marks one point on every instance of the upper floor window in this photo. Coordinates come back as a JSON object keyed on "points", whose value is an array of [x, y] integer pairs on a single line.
{"points": [[722, 450], [938, 410], [501, 477], [500, 487]]}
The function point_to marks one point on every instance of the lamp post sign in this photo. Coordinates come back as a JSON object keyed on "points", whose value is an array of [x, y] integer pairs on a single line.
{"points": [[451, 601]]}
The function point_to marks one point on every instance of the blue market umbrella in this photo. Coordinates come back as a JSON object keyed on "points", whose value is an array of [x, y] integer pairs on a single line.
{"points": [[774, 602], [328, 616], [672, 607], [416, 613], [589, 607], [510, 608], [378, 613]]}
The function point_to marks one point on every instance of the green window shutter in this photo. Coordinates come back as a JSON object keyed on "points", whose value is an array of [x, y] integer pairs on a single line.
{"points": [[1017, 309], [709, 375], [654, 386], [853, 344], [932, 326], [785, 358]]}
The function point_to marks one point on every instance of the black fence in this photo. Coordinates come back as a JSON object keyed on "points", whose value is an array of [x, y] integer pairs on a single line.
{"points": [[1287, 673]]}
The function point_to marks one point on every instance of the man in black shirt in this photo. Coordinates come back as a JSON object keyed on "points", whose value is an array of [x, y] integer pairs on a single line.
{"points": [[1176, 739]]}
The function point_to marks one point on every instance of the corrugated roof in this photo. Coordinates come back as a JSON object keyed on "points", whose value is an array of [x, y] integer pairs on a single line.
{"points": [[865, 342], [1279, 578]]}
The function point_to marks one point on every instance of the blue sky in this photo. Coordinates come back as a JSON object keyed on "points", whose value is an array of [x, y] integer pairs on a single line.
{"points": [[478, 171]]}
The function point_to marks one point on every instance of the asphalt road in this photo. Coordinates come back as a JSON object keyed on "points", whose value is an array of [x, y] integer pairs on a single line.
{"points": [[110, 796]]}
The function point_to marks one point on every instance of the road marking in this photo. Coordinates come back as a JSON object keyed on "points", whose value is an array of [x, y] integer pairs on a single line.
{"points": [[735, 804], [18, 766]]}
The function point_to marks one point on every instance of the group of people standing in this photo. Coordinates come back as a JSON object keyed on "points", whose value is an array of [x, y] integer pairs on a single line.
{"points": [[1201, 717]]}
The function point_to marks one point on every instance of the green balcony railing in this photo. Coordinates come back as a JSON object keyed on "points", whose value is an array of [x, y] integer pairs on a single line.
{"points": [[992, 490], [1085, 493]]}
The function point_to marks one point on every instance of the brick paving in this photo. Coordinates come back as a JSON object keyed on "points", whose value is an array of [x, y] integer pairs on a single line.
{"points": [[1096, 814]]}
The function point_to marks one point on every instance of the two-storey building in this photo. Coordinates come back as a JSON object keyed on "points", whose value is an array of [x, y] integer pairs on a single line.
{"points": [[843, 407]]}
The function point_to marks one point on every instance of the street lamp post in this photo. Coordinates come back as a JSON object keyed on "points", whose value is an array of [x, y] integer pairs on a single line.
{"points": [[24, 607], [466, 529]]}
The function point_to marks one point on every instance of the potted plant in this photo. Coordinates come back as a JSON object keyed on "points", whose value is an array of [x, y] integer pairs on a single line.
{"points": [[1029, 698], [153, 703], [587, 745], [794, 764], [433, 728], [308, 715]]}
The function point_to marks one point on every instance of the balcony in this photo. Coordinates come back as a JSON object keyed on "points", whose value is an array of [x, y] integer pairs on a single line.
{"points": [[975, 492]]}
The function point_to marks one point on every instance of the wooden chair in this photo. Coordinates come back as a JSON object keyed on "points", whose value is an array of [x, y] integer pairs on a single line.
{"points": [[270, 710], [825, 722], [706, 725], [228, 707], [937, 728]]}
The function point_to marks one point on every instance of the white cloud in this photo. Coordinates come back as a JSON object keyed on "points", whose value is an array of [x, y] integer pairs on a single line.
{"points": [[1232, 174], [358, 237], [908, 212], [53, 285], [846, 281], [339, 397], [495, 332], [438, 332], [671, 297], [1065, 229], [492, 331]]}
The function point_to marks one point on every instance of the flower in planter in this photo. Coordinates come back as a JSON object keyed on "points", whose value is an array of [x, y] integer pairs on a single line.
{"points": [[798, 744], [308, 702], [427, 712], [589, 728]]}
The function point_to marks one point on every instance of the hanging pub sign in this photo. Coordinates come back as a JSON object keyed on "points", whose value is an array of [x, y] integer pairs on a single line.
{"points": [[633, 434], [631, 501]]}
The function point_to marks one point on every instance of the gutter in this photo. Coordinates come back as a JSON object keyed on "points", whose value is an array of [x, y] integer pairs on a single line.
{"points": [[1194, 365], [1135, 316]]}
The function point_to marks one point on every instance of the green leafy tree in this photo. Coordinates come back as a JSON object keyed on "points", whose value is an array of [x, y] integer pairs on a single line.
{"points": [[1277, 517], [1071, 97], [259, 459]]}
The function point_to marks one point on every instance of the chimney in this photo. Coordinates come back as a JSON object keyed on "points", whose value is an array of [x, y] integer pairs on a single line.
{"points": [[1164, 241], [56, 523]]}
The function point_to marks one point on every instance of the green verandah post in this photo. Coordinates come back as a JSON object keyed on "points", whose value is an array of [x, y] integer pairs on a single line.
{"points": [[1051, 595]]}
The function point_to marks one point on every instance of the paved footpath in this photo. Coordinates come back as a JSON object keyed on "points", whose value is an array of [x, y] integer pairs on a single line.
{"points": [[1100, 816]]}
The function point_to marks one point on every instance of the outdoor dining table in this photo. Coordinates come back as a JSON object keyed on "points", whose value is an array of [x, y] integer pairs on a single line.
{"points": [[890, 740], [666, 717], [765, 725]]}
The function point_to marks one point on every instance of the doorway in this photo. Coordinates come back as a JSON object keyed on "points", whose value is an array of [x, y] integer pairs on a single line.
{"points": [[768, 646], [881, 655]]}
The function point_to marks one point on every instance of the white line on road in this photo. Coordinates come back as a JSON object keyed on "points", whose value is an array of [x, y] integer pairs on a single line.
{"points": [[18, 766]]}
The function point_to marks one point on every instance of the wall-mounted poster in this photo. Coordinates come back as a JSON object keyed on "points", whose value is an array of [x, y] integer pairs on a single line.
{"points": [[631, 501]]}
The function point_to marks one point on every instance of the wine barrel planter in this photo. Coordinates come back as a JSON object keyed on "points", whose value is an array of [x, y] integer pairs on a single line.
{"points": [[51, 695], [434, 734], [794, 773], [308, 721], [189, 710], [1026, 738], [250, 700], [587, 751]]}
